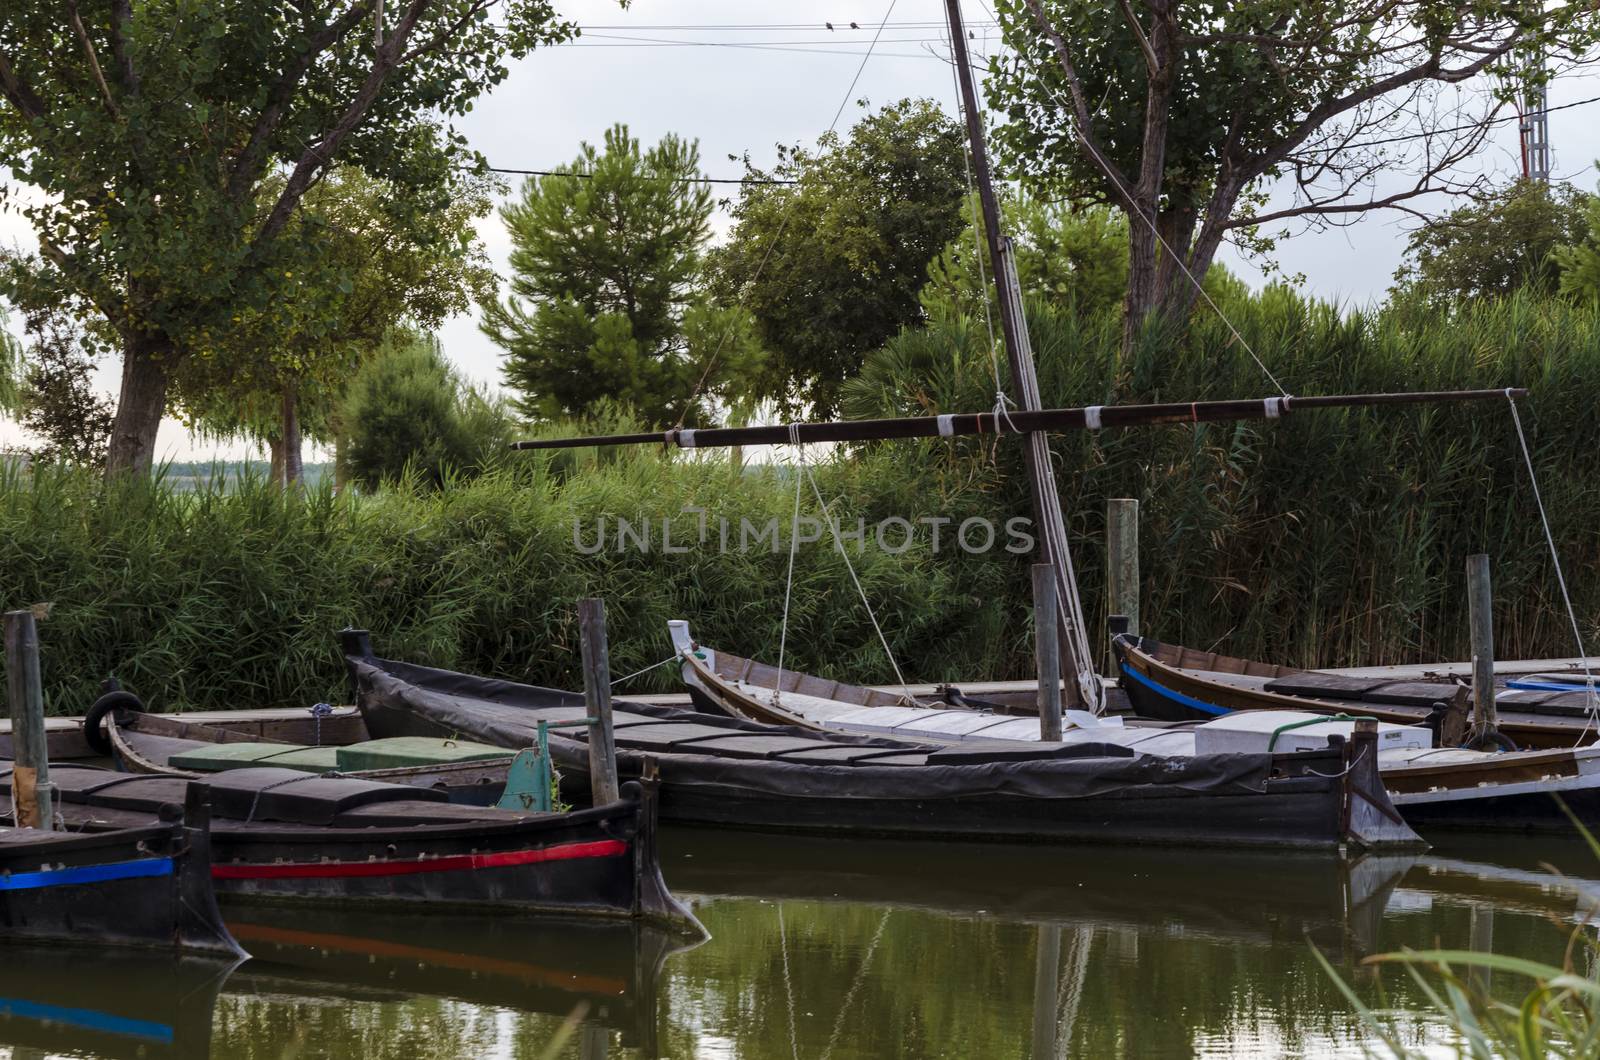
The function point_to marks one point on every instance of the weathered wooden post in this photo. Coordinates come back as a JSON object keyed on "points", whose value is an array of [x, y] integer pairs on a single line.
{"points": [[30, 776], [1481, 615], [1046, 989], [1122, 560], [1047, 649], [597, 697]]}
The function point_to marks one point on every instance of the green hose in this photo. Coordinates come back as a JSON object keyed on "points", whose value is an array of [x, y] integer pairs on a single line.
{"points": [[1280, 730]]}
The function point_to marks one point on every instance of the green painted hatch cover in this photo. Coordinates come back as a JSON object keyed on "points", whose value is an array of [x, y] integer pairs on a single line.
{"points": [[403, 751], [214, 758]]}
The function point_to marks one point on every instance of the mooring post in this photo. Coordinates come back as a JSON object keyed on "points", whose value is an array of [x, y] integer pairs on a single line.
{"points": [[1122, 560], [1046, 991], [1047, 648], [30, 775], [597, 697], [1481, 615]]}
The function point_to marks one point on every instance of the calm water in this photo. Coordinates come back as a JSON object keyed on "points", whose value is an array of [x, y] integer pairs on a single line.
{"points": [[822, 950]]}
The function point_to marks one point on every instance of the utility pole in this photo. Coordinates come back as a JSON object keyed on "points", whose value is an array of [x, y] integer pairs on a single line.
{"points": [[1082, 689]]}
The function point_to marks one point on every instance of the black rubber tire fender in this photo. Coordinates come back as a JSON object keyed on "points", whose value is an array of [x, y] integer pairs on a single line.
{"points": [[1491, 741], [94, 733]]}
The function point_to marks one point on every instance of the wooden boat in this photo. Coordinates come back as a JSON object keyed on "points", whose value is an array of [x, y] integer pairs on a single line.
{"points": [[1432, 787], [121, 1002], [1173, 682], [722, 771], [1442, 787], [280, 834], [139, 742], [146, 884], [550, 965]]}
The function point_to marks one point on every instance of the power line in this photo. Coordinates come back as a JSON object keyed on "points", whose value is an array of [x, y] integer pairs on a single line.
{"points": [[1461, 128], [582, 175]]}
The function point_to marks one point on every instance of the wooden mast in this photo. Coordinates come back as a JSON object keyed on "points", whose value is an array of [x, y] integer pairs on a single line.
{"points": [[1082, 684]]}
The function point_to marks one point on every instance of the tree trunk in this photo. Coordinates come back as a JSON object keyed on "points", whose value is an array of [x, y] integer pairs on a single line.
{"points": [[275, 468], [140, 406], [292, 466], [1140, 297], [341, 472]]}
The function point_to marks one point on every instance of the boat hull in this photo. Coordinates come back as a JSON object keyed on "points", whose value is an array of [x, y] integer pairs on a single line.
{"points": [[1017, 794], [284, 836]]}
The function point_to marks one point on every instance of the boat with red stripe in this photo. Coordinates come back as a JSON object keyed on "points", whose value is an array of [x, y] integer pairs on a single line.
{"points": [[290, 836]]}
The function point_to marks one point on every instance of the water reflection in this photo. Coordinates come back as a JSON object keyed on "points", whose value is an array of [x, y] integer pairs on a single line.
{"points": [[828, 950]]}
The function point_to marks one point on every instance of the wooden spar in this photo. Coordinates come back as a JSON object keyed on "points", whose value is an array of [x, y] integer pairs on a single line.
{"points": [[1017, 422], [1083, 690]]}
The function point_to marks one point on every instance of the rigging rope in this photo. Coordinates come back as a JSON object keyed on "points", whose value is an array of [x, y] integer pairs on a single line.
{"points": [[788, 986], [788, 584], [833, 527], [783, 224], [1561, 577], [855, 985], [653, 666], [803, 474]]}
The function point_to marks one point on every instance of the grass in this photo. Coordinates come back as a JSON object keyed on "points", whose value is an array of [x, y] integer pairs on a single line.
{"points": [[1326, 538]]}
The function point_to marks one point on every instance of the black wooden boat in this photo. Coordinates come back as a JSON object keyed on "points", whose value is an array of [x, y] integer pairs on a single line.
{"points": [[1173, 682], [287, 835], [549, 965], [121, 1002], [1431, 786], [145, 884], [1445, 787], [168, 744], [721, 771]]}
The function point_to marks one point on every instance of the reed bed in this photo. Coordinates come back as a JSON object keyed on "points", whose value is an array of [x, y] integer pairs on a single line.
{"points": [[1327, 538]]}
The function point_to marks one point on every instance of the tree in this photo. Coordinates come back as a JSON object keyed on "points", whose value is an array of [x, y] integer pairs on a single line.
{"points": [[151, 132], [1073, 257], [1179, 112], [10, 369], [607, 293], [286, 372], [58, 403], [1493, 247], [404, 413], [831, 265], [1579, 260]]}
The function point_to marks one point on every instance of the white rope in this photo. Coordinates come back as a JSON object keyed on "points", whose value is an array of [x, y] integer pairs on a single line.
{"points": [[653, 666], [788, 986], [1561, 577], [833, 527], [1111, 175], [855, 985], [794, 541]]}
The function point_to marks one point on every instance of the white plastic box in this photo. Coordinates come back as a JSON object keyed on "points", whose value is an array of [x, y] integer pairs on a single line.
{"points": [[1250, 731]]}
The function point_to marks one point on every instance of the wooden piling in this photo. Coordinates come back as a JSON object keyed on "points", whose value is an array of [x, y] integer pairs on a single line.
{"points": [[30, 776], [1481, 615], [1122, 560], [1047, 649], [597, 697], [1046, 992]]}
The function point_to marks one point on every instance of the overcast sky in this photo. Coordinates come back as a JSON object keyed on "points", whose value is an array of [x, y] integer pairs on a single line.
{"points": [[681, 66]]}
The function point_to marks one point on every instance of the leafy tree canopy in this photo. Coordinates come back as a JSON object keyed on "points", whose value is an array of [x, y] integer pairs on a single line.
{"points": [[831, 266], [408, 413], [1490, 248], [171, 145], [1179, 113], [607, 299], [57, 401], [385, 266], [1579, 259]]}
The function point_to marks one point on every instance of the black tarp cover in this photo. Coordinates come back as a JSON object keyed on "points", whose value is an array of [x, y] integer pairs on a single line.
{"points": [[404, 699]]}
